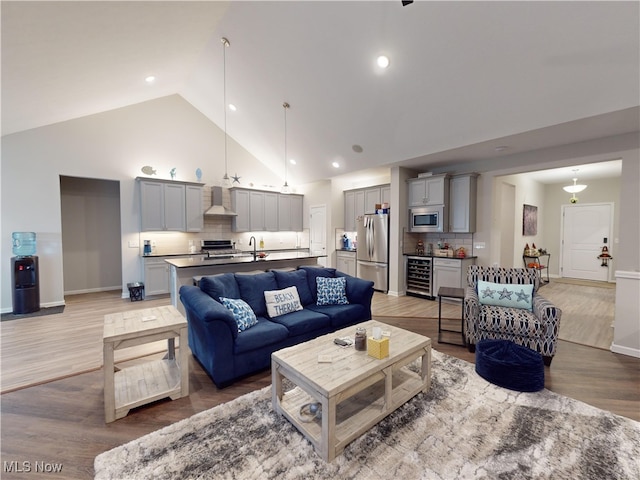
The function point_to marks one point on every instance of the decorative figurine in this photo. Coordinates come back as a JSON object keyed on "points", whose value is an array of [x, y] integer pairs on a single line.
{"points": [[198, 174], [420, 247], [605, 257], [172, 172]]}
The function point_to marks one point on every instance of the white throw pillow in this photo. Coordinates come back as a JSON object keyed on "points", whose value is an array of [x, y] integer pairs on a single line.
{"points": [[282, 301]]}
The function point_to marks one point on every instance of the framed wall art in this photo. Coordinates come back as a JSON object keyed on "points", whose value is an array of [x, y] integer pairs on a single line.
{"points": [[529, 220]]}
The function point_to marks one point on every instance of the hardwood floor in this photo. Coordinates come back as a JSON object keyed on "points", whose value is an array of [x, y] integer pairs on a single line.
{"points": [[63, 421]]}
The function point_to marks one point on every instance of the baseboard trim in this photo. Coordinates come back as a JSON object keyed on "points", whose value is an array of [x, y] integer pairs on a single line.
{"points": [[631, 352]]}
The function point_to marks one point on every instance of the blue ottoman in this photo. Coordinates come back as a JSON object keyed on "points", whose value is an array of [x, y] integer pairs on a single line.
{"points": [[509, 365]]}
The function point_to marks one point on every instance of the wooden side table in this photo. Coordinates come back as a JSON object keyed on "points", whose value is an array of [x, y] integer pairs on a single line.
{"points": [[450, 292], [132, 387]]}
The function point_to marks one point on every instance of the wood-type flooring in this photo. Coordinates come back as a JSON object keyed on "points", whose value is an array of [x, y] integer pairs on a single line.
{"points": [[62, 422]]}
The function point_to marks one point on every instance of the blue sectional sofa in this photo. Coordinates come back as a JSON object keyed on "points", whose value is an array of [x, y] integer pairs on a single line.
{"points": [[228, 354]]}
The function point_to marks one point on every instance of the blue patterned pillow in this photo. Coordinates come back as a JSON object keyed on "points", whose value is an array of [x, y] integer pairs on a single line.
{"points": [[332, 291], [242, 313], [511, 295]]}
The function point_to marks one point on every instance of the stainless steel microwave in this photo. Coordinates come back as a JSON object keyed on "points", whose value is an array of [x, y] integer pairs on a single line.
{"points": [[428, 219]]}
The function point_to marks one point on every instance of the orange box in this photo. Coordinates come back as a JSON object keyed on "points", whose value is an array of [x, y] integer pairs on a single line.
{"points": [[378, 348]]}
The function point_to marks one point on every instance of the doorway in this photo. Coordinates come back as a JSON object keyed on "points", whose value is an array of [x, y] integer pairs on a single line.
{"points": [[91, 238], [585, 230], [318, 232]]}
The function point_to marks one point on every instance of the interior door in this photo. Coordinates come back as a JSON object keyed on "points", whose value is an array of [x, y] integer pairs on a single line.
{"points": [[318, 232], [585, 230]]}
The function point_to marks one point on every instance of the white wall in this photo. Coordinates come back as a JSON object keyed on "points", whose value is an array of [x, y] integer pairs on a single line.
{"points": [[164, 133]]}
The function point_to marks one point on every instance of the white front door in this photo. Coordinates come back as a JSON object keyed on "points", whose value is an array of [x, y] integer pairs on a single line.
{"points": [[318, 232], [585, 230]]}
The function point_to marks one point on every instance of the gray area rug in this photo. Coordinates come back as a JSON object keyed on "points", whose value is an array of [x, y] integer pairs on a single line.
{"points": [[39, 313], [463, 428]]}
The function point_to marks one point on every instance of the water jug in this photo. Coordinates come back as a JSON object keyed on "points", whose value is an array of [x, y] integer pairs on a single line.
{"points": [[24, 244]]}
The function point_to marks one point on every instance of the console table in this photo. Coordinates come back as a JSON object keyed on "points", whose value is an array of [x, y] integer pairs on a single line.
{"points": [[527, 259]]}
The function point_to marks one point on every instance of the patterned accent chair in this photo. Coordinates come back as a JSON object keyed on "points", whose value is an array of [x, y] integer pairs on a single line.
{"points": [[536, 329]]}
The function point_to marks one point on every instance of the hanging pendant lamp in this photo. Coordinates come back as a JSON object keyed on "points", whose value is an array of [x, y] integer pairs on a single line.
{"points": [[226, 181], [575, 188], [285, 187]]}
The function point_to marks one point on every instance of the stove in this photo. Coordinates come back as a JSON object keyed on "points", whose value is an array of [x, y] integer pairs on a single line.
{"points": [[218, 248]]}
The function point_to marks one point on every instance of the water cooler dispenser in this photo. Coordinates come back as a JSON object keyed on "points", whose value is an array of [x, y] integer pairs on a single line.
{"points": [[25, 284]]}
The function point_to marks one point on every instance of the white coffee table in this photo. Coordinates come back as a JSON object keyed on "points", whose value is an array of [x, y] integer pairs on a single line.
{"points": [[355, 390], [138, 385]]}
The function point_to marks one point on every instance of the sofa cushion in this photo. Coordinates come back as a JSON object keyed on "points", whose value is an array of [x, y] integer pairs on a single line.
{"points": [[312, 274], [265, 332], [242, 313], [223, 285], [298, 279], [341, 315], [303, 321], [252, 288], [282, 301], [505, 294], [332, 291]]}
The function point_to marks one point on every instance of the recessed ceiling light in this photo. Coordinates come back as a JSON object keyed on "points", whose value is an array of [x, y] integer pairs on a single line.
{"points": [[292, 161], [150, 79], [335, 165], [383, 61], [232, 107]]}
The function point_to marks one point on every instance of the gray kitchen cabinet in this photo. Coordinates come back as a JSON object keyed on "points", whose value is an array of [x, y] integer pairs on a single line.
{"points": [[346, 262], [162, 206], [271, 212], [359, 201], [289, 213], [240, 204], [385, 194], [260, 211], [156, 276], [462, 205], [372, 197], [296, 212], [350, 211], [431, 190], [194, 214], [450, 272]]}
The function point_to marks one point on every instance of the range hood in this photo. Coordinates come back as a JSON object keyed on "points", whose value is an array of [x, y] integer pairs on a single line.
{"points": [[217, 209]]}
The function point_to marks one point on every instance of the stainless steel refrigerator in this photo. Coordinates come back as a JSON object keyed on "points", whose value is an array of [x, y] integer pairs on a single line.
{"points": [[373, 250]]}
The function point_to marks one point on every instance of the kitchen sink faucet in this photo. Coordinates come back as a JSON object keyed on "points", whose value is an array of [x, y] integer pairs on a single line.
{"points": [[253, 239]]}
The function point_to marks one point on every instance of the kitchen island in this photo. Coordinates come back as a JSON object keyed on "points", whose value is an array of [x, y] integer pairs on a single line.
{"points": [[183, 270]]}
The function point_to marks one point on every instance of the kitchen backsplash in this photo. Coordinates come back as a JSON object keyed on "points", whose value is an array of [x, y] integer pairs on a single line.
{"points": [[454, 240], [169, 243]]}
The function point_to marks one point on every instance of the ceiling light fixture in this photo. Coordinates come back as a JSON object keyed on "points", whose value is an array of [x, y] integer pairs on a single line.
{"points": [[285, 187], [573, 189], [150, 79], [383, 61], [232, 107], [335, 165], [226, 181]]}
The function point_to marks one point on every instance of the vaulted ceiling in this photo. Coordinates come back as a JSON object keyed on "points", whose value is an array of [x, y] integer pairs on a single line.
{"points": [[464, 77]]}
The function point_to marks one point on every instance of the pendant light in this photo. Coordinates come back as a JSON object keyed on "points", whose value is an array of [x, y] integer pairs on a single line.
{"points": [[575, 188], [285, 187], [226, 181]]}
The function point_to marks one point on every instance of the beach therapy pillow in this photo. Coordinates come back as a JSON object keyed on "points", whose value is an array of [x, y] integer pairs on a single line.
{"points": [[242, 313], [332, 291], [282, 301], [505, 294]]}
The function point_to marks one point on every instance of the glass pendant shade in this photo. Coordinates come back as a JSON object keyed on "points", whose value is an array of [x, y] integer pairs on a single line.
{"points": [[574, 188]]}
